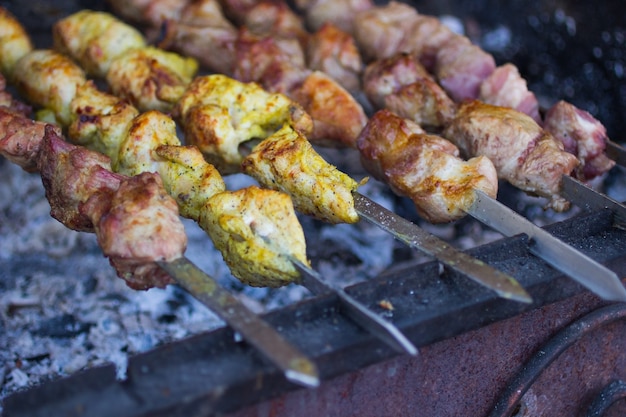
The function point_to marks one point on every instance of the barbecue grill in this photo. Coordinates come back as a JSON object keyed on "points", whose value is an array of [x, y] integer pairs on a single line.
{"points": [[479, 354]]}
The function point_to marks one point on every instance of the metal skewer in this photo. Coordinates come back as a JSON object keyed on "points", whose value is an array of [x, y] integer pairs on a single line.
{"points": [[363, 316], [295, 366], [561, 256], [417, 238], [587, 198]]}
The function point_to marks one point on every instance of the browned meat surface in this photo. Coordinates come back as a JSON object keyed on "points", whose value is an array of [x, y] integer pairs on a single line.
{"points": [[71, 175], [505, 87], [333, 51], [337, 116], [381, 31], [424, 39], [286, 161], [275, 18], [423, 167], [582, 135], [137, 225], [461, 67], [401, 85], [523, 153], [14, 42], [278, 65], [20, 138], [340, 13]]}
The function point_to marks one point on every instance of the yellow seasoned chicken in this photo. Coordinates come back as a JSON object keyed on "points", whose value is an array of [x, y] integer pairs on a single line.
{"points": [[14, 42], [286, 161], [219, 114], [100, 120], [151, 78], [151, 145], [104, 46], [49, 80], [256, 230], [95, 39]]}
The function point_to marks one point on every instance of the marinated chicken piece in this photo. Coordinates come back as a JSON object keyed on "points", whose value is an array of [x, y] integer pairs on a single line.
{"points": [[277, 64], [337, 117], [423, 167], [461, 67], [582, 135], [151, 145], [49, 80], [334, 52], [14, 42], [20, 138], [523, 153], [95, 39], [219, 114], [505, 87], [100, 120], [137, 225], [71, 175], [151, 78], [256, 230], [287, 162], [340, 13], [401, 85], [381, 31]]}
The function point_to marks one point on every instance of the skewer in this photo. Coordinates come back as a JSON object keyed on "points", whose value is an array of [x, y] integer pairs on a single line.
{"points": [[415, 237], [296, 367], [616, 152], [563, 257], [363, 316], [588, 199], [503, 284]]}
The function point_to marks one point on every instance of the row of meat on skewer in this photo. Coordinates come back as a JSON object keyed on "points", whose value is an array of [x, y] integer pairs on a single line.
{"points": [[417, 151], [270, 102]]}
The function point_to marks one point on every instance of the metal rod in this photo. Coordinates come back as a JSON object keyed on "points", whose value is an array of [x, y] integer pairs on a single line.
{"points": [[295, 365], [363, 316], [558, 254], [412, 235], [588, 199]]}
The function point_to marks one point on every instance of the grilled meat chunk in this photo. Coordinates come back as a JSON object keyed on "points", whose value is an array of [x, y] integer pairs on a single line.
{"points": [[334, 52], [276, 19], [95, 39], [461, 67], [277, 64], [71, 175], [100, 120], [337, 117], [256, 230], [426, 36], [219, 114], [20, 138], [151, 78], [337, 12], [14, 42], [523, 153], [423, 167], [137, 225], [200, 30], [582, 135], [286, 161], [381, 31], [50, 80], [505, 87], [403, 86], [151, 145]]}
